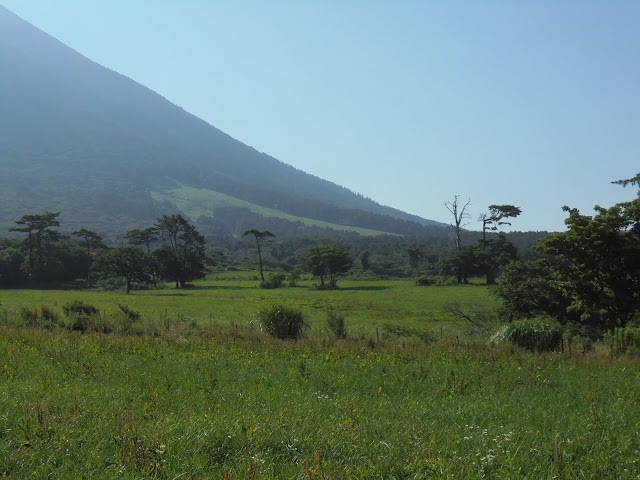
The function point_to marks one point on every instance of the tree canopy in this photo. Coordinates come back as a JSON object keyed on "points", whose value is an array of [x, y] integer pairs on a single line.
{"points": [[128, 262], [590, 273], [495, 218], [328, 261], [181, 254]]}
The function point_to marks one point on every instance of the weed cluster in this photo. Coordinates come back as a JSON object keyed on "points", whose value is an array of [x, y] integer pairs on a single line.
{"points": [[538, 334], [624, 341], [281, 321], [336, 324]]}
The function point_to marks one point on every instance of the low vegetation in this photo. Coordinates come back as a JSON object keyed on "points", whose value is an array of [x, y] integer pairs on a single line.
{"points": [[158, 388], [230, 402]]}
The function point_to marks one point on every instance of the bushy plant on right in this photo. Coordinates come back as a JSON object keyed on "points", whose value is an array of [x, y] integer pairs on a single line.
{"points": [[281, 321], [539, 334]]}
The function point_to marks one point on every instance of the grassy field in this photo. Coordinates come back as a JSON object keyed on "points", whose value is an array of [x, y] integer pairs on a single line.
{"points": [[216, 398], [235, 298]]}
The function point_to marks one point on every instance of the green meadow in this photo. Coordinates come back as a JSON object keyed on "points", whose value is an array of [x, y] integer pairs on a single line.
{"points": [[194, 389], [235, 298]]}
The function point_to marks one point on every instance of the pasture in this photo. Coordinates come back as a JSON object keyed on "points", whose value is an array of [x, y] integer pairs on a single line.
{"points": [[213, 397], [235, 298]]}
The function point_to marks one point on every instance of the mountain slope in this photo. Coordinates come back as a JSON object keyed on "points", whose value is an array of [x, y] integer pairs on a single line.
{"points": [[78, 137]]}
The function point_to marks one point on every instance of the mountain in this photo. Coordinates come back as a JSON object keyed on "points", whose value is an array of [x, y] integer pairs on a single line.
{"points": [[112, 155]]}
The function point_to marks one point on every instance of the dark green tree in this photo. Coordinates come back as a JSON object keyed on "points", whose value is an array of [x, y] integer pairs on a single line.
{"points": [[526, 291], [11, 263], [599, 263], [591, 272], [181, 254], [414, 257], [91, 241], [493, 254], [365, 260], [147, 237], [42, 234], [495, 218], [328, 261], [460, 263], [128, 262], [261, 238]]}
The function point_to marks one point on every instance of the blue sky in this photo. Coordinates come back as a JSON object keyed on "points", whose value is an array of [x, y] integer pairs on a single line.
{"points": [[535, 104]]}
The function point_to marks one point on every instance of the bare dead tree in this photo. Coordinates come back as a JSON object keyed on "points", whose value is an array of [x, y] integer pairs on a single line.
{"points": [[459, 215], [479, 318]]}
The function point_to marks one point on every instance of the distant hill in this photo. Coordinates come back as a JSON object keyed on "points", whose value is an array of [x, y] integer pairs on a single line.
{"points": [[112, 155]]}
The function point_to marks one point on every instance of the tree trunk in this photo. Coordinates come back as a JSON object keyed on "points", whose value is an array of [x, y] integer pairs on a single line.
{"points": [[260, 260], [128, 285]]}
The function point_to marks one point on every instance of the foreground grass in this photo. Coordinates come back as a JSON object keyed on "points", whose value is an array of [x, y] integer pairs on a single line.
{"points": [[228, 402]]}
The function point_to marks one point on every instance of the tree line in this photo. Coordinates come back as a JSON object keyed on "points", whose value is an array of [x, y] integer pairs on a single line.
{"points": [[47, 256], [171, 250]]}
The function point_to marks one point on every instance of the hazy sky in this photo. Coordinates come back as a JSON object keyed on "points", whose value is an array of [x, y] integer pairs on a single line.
{"points": [[535, 104]]}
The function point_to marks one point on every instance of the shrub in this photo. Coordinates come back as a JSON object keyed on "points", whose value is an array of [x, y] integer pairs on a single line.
{"points": [[275, 280], [80, 313], [425, 280], [50, 317], [538, 334], [294, 276], [78, 307], [129, 313], [29, 316], [336, 324], [48, 314], [281, 321]]}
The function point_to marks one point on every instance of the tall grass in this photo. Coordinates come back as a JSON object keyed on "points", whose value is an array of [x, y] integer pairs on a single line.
{"points": [[227, 401], [190, 389]]}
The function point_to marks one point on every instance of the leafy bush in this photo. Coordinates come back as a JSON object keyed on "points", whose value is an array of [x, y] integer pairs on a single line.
{"points": [[275, 280], [78, 307], [294, 276], [425, 280], [282, 322], [538, 334], [336, 324]]}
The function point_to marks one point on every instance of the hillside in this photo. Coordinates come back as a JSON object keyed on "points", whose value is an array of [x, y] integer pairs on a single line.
{"points": [[111, 154]]}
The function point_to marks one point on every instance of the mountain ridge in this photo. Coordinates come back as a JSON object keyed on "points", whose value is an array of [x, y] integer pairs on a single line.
{"points": [[69, 124]]}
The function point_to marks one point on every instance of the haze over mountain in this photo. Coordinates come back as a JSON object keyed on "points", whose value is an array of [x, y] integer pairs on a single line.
{"points": [[111, 155]]}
